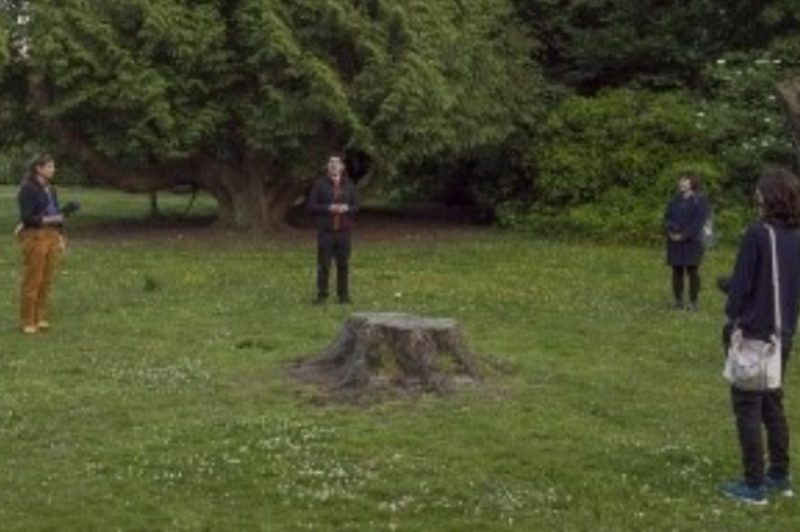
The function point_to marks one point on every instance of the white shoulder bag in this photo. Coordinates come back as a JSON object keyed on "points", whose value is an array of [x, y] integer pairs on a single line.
{"points": [[755, 365]]}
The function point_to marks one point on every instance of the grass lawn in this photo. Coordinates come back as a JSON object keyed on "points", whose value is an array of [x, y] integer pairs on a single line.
{"points": [[159, 400]]}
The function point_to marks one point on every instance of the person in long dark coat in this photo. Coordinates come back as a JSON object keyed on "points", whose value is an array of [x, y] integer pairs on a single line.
{"points": [[685, 215]]}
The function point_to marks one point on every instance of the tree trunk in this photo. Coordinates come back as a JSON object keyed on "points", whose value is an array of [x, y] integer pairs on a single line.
{"points": [[246, 201], [385, 351], [281, 200], [789, 96]]}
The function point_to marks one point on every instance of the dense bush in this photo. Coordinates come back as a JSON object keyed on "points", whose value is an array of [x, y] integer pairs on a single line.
{"points": [[606, 165], [741, 118]]}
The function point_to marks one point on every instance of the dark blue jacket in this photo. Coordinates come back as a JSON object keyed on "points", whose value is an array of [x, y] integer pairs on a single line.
{"points": [[750, 293], [323, 195], [35, 203], [685, 216]]}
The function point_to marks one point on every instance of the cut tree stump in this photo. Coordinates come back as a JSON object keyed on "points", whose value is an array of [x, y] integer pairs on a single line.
{"points": [[379, 350]]}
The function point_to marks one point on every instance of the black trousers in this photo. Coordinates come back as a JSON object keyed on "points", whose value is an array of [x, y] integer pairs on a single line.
{"points": [[333, 245], [677, 282], [752, 411]]}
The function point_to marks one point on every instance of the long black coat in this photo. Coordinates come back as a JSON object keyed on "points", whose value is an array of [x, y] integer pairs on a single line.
{"points": [[685, 216]]}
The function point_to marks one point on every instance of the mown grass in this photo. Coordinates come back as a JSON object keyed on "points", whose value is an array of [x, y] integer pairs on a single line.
{"points": [[159, 401]]}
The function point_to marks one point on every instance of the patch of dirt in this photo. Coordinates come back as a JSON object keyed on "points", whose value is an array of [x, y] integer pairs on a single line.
{"points": [[421, 224]]}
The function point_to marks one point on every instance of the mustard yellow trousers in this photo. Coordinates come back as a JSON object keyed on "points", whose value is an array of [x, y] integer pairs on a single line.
{"points": [[41, 249]]}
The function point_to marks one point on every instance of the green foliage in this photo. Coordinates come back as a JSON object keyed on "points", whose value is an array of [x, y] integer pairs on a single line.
{"points": [[620, 139], [590, 45], [742, 119], [135, 78], [607, 165], [282, 83]]}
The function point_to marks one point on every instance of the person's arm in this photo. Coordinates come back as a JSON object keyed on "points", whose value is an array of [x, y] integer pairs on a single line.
{"points": [[353, 204], [694, 231], [316, 203], [31, 211], [668, 224], [742, 282], [671, 227], [56, 218]]}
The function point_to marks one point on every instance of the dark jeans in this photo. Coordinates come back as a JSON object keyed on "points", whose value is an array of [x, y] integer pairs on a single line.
{"points": [[333, 245], [752, 410], [677, 282]]}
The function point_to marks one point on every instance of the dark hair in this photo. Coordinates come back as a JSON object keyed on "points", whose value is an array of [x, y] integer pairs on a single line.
{"points": [[36, 162], [341, 157], [780, 196], [694, 181]]}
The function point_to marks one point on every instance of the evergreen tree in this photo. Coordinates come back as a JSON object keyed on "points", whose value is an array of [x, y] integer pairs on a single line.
{"points": [[246, 98]]}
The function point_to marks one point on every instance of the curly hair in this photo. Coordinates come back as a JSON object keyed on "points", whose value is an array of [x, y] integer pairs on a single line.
{"points": [[779, 191]]}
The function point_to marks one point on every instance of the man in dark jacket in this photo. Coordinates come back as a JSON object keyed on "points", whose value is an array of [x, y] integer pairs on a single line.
{"points": [[751, 307], [685, 215], [334, 200]]}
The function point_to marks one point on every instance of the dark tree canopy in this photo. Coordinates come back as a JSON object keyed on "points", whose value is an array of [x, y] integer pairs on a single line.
{"points": [[590, 44]]}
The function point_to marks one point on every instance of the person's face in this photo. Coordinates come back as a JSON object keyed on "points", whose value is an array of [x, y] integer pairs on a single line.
{"points": [[685, 184], [335, 167], [46, 170]]}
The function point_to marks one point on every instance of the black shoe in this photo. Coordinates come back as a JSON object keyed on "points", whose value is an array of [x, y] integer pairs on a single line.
{"points": [[321, 300], [345, 300], [677, 305]]}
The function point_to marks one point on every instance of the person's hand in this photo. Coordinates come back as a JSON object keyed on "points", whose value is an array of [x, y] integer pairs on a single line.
{"points": [[724, 283], [70, 208], [727, 331], [675, 237]]}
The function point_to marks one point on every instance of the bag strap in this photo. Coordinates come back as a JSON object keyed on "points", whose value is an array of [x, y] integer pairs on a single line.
{"points": [[775, 281]]}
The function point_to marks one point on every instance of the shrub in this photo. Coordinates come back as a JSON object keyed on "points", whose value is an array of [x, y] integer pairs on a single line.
{"points": [[619, 139]]}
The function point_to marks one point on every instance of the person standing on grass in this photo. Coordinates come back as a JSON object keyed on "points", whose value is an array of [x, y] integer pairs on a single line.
{"points": [[750, 306], [40, 234], [684, 217], [334, 200]]}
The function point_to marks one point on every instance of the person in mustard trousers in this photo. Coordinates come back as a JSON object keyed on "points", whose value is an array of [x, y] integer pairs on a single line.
{"points": [[40, 235]]}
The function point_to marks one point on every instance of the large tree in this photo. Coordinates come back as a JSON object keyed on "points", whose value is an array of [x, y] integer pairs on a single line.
{"points": [[244, 98]]}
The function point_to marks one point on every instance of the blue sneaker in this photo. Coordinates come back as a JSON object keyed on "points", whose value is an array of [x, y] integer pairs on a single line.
{"points": [[782, 486], [744, 493]]}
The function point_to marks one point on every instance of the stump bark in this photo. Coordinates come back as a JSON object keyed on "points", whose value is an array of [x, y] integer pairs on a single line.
{"points": [[392, 350]]}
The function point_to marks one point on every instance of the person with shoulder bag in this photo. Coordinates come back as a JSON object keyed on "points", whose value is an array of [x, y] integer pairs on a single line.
{"points": [[761, 309]]}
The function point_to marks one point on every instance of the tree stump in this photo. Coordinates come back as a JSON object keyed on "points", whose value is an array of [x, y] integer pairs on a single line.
{"points": [[379, 351]]}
